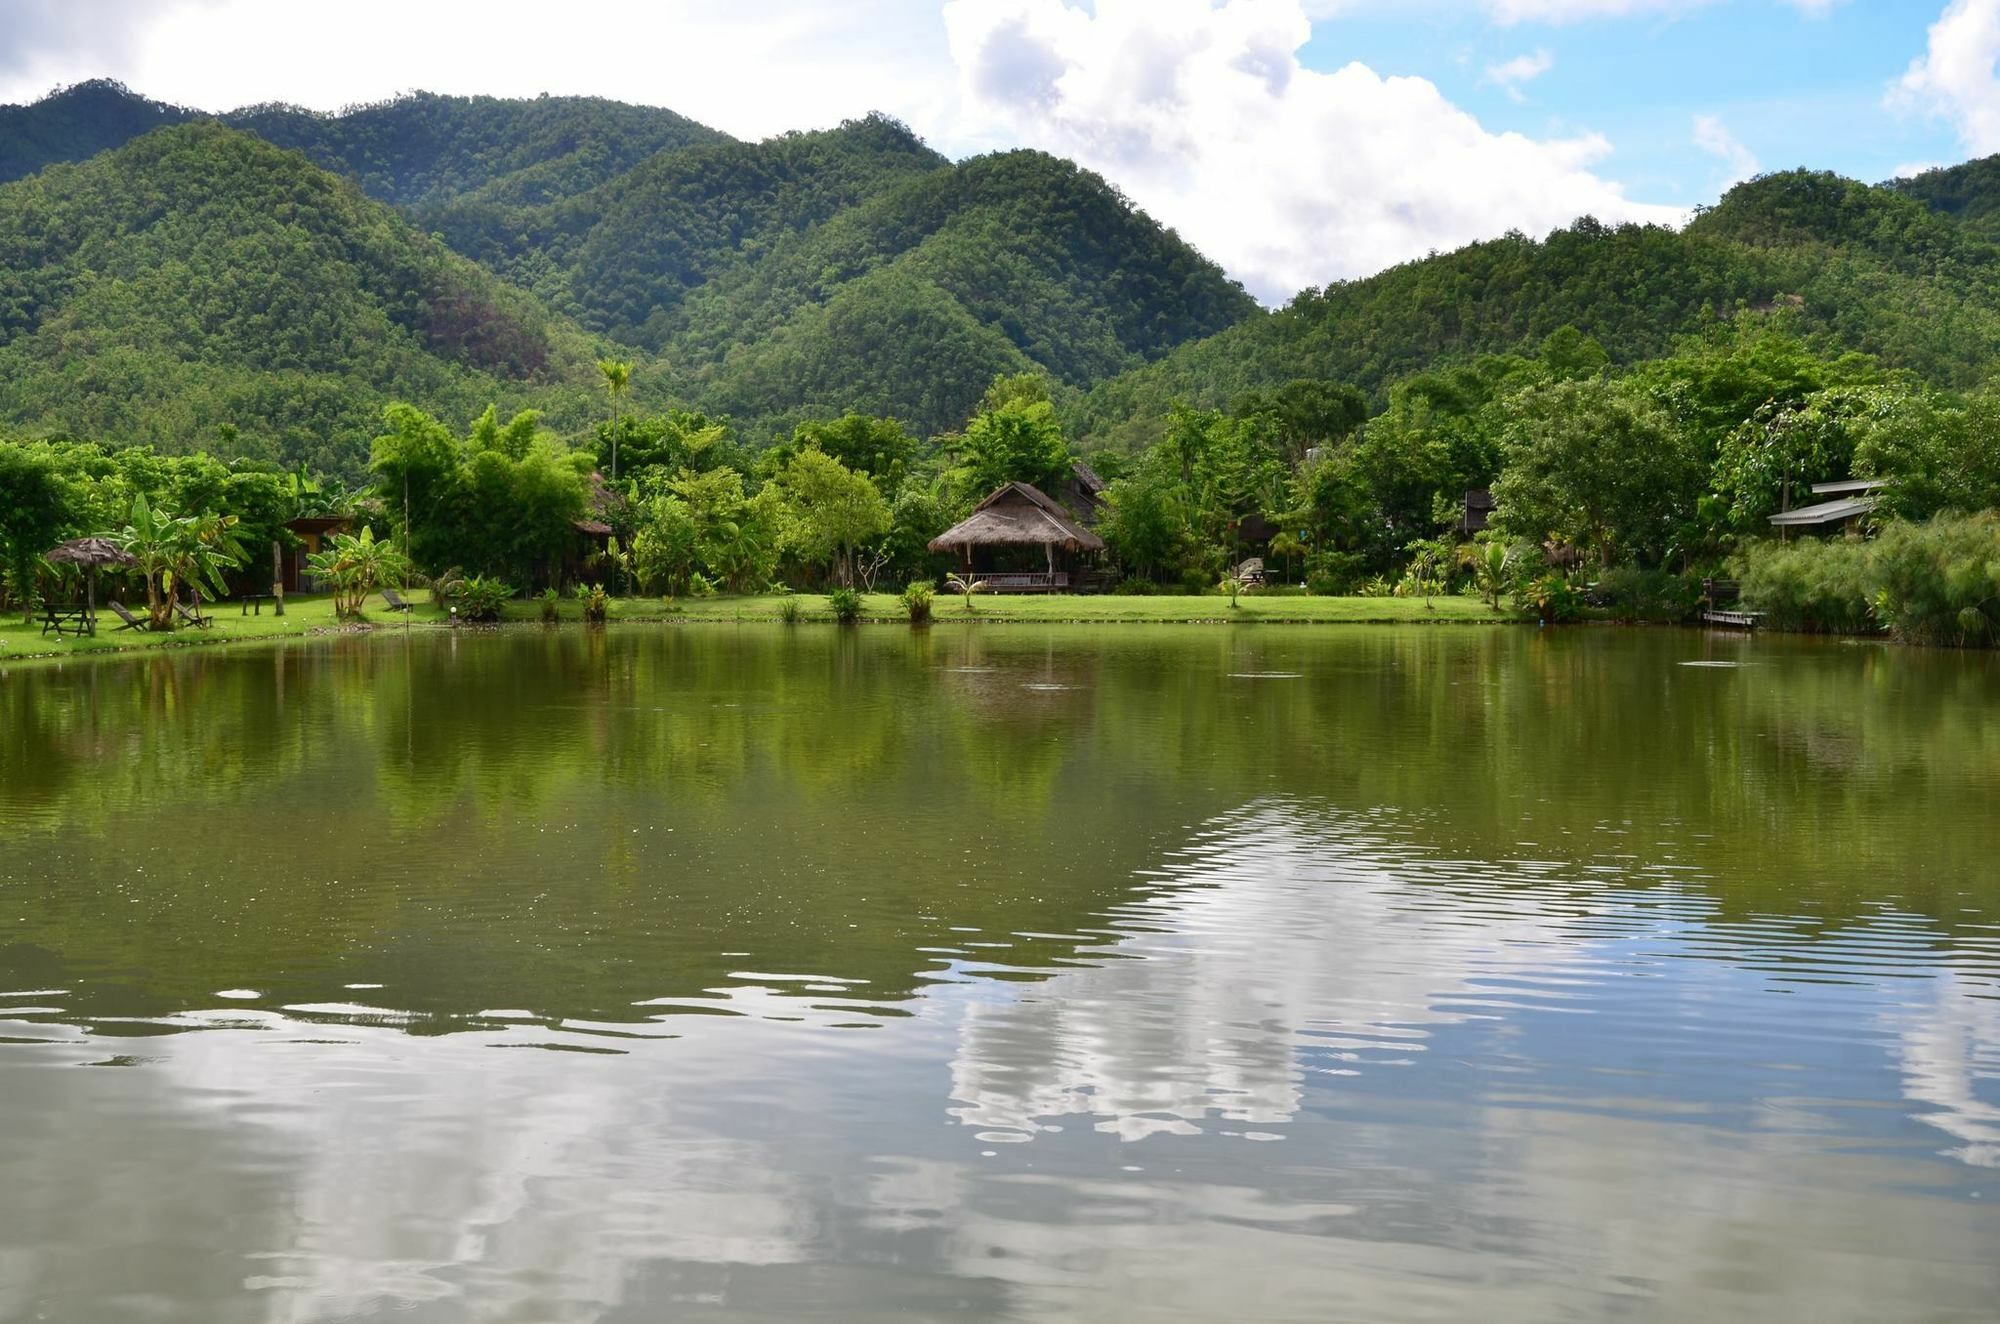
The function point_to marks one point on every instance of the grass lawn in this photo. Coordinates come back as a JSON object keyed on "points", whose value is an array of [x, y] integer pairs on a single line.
{"points": [[994, 608], [303, 616], [313, 615]]}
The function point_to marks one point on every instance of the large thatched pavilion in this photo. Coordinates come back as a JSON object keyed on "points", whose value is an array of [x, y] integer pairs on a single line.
{"points": [[1018, 540]]}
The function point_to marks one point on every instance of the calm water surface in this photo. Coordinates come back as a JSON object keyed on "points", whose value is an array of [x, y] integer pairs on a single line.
{"points": [[1258, 974]]}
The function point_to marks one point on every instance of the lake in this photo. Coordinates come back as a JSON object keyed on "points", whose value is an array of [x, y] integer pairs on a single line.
{"points": [[1002, 973]]}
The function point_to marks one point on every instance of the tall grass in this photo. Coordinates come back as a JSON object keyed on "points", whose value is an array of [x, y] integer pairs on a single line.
{"points": [[1936, 582]]}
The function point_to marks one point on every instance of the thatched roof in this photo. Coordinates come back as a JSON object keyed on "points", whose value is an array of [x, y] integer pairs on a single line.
{"points": [[87, 552], [1017, 515]]}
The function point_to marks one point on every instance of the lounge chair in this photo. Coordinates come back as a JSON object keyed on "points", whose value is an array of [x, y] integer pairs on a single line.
{"points": [[395, 600], [191, 616], [129, 621]]}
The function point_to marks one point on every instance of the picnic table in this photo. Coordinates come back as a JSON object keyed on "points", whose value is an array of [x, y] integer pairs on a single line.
{"points": [[68, 617], [252, 601]]}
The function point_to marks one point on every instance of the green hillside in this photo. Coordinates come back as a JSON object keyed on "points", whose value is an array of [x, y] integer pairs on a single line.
{"points": [[1866, 268], [1968, 192], [75, 123], [199, 277], [417, 150], [799, 277]]}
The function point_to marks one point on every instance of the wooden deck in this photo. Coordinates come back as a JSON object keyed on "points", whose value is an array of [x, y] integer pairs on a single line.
{"points": [[1735, 620]]}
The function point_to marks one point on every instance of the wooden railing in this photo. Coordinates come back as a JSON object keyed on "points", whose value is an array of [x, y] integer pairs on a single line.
{"points": [[1025, 581]]}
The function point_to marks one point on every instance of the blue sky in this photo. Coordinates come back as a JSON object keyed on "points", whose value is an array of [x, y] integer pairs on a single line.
{"points": [[1796, 88], [1296, 142]]}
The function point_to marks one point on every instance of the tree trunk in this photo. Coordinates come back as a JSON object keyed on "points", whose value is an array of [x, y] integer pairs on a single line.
{"points": [[159, 616]]}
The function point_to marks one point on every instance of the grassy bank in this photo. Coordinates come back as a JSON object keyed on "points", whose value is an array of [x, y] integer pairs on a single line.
{"points": [[306, 616]]}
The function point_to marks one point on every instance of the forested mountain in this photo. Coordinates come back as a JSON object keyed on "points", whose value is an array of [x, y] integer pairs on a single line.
{"points": [[1864, 268], [74, 123], [199, 278], [803, 276], [1969, 192], [416, 150]]}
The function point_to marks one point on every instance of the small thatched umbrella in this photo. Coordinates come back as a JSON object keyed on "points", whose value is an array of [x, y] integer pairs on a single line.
{"points": [[90, 553]]}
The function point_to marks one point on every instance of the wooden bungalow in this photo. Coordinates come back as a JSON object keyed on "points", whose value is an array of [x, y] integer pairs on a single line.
{"points": [[583, 559], [1018, 540], [312, 532], [1476, 511]]}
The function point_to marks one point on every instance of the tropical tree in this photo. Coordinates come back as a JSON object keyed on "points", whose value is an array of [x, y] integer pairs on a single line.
{"points": [[617, 380], [32, 510], [356, 564], [159, 544], [829, 511], [1020, 441], [213, 547]]}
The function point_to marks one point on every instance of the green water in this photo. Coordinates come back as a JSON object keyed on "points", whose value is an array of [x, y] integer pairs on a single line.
{"points": [[1002, 973]]}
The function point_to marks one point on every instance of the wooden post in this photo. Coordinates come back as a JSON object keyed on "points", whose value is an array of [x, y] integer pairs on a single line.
{"points": [[277, 578]]}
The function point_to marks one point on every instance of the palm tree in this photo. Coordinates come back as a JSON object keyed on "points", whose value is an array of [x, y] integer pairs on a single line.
{"points": [[617, 378], [1493, 567], [965, 585]]}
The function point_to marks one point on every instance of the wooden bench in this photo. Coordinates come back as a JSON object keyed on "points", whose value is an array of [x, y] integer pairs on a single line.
{"points": [[67, 618]]}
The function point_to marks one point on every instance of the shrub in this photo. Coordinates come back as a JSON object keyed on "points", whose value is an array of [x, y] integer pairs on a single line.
{"points": [[480, 598], [1632, 594], [1551, 597], [917, 602], [700, 585], [551, 606], [1135, 587], [1196, 582], [444, 586], [1818, 587], [846, 604], [1334, 574], [596, 603], [1939, 582], [790, 610]]}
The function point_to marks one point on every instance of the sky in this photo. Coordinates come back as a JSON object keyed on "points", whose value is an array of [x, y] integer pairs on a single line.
{"points": [[1296, 142]]}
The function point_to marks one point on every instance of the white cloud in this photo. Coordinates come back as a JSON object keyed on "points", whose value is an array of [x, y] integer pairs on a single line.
{"points": [[1200, 111], [1287, 176], [1714, 137], [1576, 11], [1509, 75], [1954, 77], [1911, 169], [752, 70]]}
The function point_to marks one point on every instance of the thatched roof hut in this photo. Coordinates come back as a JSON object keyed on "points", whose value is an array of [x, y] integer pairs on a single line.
{"points": [[1017, 515]]}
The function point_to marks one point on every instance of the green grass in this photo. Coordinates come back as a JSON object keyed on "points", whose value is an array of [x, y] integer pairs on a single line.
{"points": [[314, 615], [303, 616], [1206, 609]]}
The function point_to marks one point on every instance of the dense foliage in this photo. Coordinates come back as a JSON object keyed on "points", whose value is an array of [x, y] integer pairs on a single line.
{"points": [[798, 278], [200, 288], [1861, 268], [1933, 583]]}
